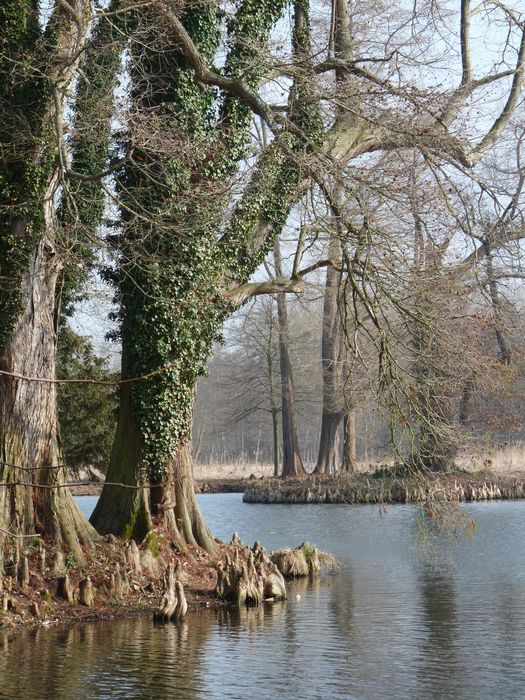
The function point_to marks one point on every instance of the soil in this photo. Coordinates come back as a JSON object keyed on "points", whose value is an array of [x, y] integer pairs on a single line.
{"points": [[120, 589]]}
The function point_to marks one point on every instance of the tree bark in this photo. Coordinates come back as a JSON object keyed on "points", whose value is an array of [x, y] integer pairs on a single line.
{"points": [[32, 103], [29, 439], [327, 458], [292, 462], [131, 504], [349, 442]]}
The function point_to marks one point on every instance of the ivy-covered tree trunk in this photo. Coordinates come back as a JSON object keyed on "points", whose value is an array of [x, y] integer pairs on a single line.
{"points": [[174, 269], [132, 502], [36, 68]]}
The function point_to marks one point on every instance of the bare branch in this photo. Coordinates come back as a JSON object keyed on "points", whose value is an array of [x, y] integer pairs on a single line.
{"points": [[246, 291], [503, 119]]}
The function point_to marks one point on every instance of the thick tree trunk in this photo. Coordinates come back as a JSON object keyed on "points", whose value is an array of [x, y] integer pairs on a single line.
{"points": [[328, 454], [123, 507], [130, 504], [29, 443], [31, 103]]}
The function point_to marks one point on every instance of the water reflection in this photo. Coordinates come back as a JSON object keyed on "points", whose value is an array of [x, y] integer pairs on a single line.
{"points": [[439, 664], [119, 659], [388, 626]]}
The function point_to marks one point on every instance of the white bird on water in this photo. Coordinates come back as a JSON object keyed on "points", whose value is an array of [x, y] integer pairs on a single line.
{"points": [[297, 596]]}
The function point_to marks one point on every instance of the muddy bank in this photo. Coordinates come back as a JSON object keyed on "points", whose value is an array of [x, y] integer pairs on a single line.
{"points": [[201, 486], [225, 485], [388, 489], [41, 585]]}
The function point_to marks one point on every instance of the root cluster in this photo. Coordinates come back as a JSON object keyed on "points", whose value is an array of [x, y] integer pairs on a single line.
{"points": [[249, 577], [173, 605]]}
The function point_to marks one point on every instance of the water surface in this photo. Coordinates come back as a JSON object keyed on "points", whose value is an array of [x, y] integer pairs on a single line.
{"points": [[392, 624]]}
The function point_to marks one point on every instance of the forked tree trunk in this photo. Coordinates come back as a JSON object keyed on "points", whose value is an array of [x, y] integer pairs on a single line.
{"points": [[130, 505], [333, 351], [29, 443]]}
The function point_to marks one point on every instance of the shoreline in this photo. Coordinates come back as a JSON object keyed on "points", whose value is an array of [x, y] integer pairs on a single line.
{"points": [[368, 489], [126, 580], [361, 488]]}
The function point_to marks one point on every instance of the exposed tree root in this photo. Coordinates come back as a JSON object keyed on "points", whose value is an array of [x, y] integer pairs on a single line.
{"points": [[249, 577], [173, 604]]}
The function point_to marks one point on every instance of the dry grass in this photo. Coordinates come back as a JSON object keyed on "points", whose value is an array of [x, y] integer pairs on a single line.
{"points": [[506, 459], [303, 560], [291, 562], [232, 470]]}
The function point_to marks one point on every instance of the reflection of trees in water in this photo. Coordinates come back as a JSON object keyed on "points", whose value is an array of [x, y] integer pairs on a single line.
{"points": [[342, 604], [439, 670], [87, 660], [133, 657], [507, 621], [237, 620]]}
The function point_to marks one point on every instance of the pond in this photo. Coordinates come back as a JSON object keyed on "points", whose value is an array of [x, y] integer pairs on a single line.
{"points": [[397, 621]]}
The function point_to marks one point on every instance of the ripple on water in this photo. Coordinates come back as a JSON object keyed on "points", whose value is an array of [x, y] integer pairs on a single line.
{"points": [[389, 625]]}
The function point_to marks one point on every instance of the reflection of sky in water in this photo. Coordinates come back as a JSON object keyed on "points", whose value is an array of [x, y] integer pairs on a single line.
{"points": [[388, 626]]}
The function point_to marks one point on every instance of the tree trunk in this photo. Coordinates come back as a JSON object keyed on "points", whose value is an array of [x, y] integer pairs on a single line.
{"points": [[328, 454], [436, 445], [466, 401], [275, 431], [292, 462], [29, 442], [349, 442], [497, 308], [32, 102], [130, 504], [274, 407], [327, 458], [333, 351]]}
